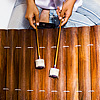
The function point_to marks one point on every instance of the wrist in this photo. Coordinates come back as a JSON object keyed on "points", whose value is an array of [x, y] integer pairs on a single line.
{"points": [[30, 2], [70, 2]]}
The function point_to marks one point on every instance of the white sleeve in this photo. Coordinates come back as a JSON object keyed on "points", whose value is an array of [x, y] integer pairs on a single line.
{"points": [[77, 4]]}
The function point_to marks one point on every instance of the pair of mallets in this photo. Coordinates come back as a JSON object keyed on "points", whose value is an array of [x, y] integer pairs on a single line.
{"points": [[54, 72]]}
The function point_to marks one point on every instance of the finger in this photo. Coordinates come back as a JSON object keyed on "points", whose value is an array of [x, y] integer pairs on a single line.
{"points": [[67, 15], [37, 18], [58, 13], [58, 8], [31, 22], [62, 12], [64, 21]]}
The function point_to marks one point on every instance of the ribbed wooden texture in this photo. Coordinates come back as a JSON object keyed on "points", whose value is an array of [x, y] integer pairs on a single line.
{"points": [[95, 62], [84, 63], [78, 62]]}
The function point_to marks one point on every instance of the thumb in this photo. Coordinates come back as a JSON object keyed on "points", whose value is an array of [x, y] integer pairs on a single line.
{"points": [[37, 18]]}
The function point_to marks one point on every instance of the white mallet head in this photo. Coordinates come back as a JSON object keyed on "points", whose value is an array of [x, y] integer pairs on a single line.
{"points": [[40, 63], [54, 73]]}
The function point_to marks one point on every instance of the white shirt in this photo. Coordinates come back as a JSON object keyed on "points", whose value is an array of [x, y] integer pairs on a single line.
{"points": [[52, 4]]}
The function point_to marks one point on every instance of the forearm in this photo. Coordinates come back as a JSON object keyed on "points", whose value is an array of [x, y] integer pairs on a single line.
{"points": [[71, 2], [29, 2]]}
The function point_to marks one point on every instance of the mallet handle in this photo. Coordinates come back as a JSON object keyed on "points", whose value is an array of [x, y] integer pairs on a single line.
{"points": [[58, 44], [37, 41]]}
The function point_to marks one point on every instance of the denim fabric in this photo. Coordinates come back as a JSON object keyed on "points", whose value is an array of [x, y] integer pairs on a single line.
{"points": [[86, 15], [18, 2], [73, 21], [17, 20]]}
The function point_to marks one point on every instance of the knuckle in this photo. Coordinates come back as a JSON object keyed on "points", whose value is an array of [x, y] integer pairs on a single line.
{"points": [[29, 16], [26, 16], [37, 14]]}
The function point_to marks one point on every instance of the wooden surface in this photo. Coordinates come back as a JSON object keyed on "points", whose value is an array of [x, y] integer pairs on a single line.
{"points": [[84, 63], [78, 62]]}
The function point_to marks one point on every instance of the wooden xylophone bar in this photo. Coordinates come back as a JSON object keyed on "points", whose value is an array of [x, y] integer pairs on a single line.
{"points": [[78, 62]]}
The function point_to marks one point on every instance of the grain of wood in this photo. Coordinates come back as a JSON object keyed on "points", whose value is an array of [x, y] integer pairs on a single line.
{"points": [[10, 68], [95, 62], [3, 67], [72, 64], [78, 61], [84, 63]]}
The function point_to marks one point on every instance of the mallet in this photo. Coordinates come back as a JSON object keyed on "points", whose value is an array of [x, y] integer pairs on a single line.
{"points": [[54, 72], [39, 62]]}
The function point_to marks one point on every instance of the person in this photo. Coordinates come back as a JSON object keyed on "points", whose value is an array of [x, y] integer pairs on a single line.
{"points": [[74, 13]]}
